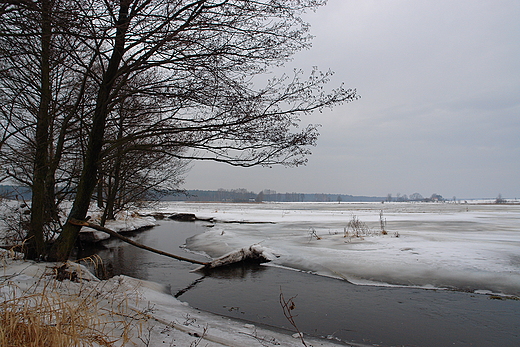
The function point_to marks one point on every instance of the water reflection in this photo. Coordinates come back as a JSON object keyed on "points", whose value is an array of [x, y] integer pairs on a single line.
{"points": [[120, 258], [190, 286], [236, 271]]}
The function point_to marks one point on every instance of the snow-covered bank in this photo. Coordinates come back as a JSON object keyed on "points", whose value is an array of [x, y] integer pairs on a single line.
{"points": [[470, 247], [125, 221], [128, 311], [14, 214]]}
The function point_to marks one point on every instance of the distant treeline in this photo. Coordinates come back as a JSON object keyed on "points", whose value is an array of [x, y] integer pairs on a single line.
{"points": [[221, 195], [242, 195]]}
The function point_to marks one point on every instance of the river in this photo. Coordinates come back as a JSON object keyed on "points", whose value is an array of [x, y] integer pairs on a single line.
{"points": [[327, 307]]}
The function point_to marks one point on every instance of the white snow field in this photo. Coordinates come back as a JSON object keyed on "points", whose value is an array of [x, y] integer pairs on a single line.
{"points": [[462, 246]]}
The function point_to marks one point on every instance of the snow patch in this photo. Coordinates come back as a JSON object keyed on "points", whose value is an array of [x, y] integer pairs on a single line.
{"points": [[160, 318], [467, 247]]}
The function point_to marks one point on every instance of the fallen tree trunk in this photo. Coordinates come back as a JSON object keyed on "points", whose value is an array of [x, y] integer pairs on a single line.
{"points": [[136, 244], [244, 255]]}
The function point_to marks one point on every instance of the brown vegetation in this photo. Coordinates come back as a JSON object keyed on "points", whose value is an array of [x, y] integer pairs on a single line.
{"points": [[63, 308]]}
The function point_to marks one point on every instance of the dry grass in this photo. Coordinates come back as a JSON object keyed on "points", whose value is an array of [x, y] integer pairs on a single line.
{"points": [[356, 228], [54, 313], [48, 319], [359, 230]]}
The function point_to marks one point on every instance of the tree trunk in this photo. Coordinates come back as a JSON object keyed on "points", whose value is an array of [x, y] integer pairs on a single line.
{"points": [[114, 185], [99, 198], [36, 242], [65, 243]]}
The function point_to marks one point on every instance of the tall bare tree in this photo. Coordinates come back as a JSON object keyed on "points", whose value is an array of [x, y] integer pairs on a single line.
{"points": [[190, 65], [133, 171], [42, 89]]}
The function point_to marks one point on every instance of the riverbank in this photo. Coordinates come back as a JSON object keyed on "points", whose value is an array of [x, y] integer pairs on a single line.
{"points": [[121, 311]]}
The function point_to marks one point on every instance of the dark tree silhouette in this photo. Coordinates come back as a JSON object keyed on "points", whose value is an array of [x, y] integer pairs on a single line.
{"points": [[155, 79]]}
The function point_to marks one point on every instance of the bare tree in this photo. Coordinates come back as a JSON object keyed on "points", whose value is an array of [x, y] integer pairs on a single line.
{"points": [[27, 56], [416, 197], [43, 86], [134, 171], [183, 70]]}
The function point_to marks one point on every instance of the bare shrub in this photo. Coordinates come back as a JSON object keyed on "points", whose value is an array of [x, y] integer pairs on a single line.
{"points": [[313, 234], [356, 228], [288, 306], [14, 222]]}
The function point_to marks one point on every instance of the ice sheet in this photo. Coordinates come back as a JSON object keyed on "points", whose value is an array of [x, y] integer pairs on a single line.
{"points": [[442, 245]]}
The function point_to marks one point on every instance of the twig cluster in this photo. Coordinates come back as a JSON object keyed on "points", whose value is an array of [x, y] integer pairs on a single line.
{"points": [[288, 306], [314, 234], [264, 341], [356, 228]]}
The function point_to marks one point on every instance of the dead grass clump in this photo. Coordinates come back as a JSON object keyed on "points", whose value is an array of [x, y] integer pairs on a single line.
{"points": [[51, 313], [49, 319], [314, 234], [356, 228], [382, 223], [95, 264]]}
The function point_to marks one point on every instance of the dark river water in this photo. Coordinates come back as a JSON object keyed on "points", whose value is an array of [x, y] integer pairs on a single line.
{"points": [[367, 315]]}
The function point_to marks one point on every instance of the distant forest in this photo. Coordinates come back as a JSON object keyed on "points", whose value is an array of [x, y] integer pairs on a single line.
{"points": [[243, 195]]}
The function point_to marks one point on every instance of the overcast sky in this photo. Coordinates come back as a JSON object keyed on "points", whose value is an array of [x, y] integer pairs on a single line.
{"points": [[439, 109]]}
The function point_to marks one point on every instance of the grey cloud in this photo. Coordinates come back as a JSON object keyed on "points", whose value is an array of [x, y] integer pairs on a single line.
{"points": [[440, 106]]}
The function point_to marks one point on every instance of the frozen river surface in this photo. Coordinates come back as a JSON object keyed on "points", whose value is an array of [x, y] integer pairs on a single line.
{"points": [[479, 243], [469, 247]]}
